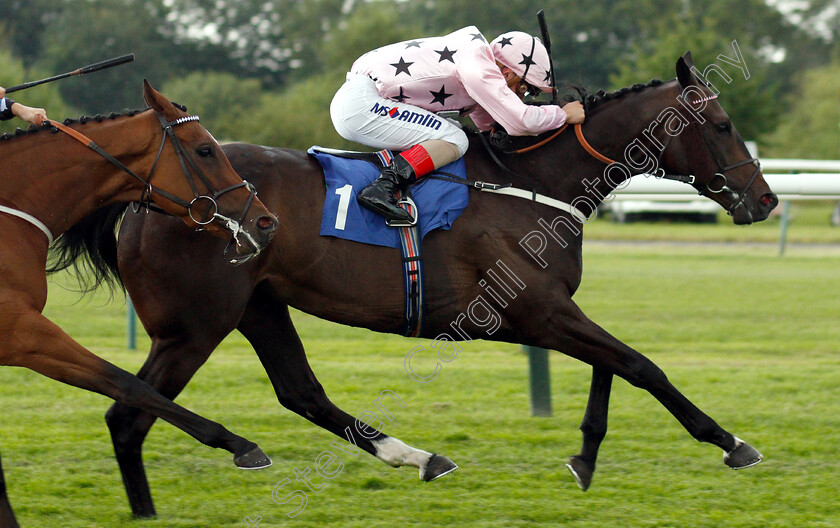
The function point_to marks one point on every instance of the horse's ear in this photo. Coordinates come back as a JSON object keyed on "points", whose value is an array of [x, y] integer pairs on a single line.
{"points": [[684, 73], [154, 99]]}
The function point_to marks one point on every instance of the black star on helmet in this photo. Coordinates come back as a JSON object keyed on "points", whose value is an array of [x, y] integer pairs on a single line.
{"points": [[440, 97], [506, 41], [445, 54], [477, 36], [527, 60], [412, 44], [402, 67]]}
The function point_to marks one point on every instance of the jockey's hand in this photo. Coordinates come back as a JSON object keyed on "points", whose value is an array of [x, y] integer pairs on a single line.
{"points": [[36, 116], [2, 92], [574, 112]]}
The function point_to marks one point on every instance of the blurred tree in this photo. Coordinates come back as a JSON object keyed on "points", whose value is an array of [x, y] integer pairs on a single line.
{"points": [[45, 96], [122, 26], [369, 27], [24, 23], [751, 103], [299, 117], [227, 105], [272, 41], [810, 125]]}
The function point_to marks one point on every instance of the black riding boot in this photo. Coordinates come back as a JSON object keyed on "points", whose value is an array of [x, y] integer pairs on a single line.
{"points": [[380, 196]]}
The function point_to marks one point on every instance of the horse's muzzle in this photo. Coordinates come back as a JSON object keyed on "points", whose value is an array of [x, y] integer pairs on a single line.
{"points": [[250, 239], [747, 212]]}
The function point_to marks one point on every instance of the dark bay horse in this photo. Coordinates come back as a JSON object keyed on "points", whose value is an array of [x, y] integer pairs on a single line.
{"points": [[51, 181], [533, 249]]}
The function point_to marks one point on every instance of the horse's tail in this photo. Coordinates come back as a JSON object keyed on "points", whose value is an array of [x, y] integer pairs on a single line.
{"points": [[94, 240]]}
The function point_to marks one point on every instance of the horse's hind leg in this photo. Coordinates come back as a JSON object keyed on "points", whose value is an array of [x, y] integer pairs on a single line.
{"points": [[7, 516], [593, 427], [267, 325]]}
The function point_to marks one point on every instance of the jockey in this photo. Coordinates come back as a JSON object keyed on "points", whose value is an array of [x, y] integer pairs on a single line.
{"points": [[393, 93], [10, 109]]}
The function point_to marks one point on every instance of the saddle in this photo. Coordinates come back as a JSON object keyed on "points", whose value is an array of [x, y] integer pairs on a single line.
{"points": [[439, 202], [434, 203]]}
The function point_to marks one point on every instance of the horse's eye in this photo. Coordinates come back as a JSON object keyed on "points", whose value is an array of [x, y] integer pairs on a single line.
{"points": [[205, 151], [724, 127]]}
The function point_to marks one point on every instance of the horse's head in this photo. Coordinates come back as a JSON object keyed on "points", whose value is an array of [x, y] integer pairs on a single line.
{"points": [[195, 181], [711, 150]]}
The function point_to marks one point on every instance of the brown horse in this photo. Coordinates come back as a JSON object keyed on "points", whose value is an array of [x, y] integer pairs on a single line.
{"points": [[503, 257], [51, 181]]}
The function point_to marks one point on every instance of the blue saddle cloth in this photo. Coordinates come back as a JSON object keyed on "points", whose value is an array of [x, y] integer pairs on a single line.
{"points": [[439, 202]]}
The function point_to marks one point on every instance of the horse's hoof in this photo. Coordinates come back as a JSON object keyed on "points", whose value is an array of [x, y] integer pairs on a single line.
{"points": [[437, 467], [742, 456], [581, 471], [253, 459]]}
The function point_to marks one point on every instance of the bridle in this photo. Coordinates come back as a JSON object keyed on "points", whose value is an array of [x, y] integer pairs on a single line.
{"points": [[235, 226], [721, 176]]}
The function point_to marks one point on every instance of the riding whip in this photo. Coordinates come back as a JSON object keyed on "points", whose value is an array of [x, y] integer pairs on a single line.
{"points": [[547, 43], [110, 63]]}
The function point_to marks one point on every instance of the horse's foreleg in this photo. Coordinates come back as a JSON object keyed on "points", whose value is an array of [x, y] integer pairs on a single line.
{"points": [[593, 427], [42, 346], [171, 364], [580, 338], [268, 327], [7, 516]]}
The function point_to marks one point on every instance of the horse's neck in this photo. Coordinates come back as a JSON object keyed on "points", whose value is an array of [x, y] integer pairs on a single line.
{"points": [[59, 180], [610, 132]]}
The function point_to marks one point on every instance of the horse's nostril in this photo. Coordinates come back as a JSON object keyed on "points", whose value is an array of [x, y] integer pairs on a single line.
{"points": [[266, 223], [769, 200]]}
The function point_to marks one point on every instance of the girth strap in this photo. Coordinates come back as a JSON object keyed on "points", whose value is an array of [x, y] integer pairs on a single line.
{"points": [[31, 219], [510, 190]]}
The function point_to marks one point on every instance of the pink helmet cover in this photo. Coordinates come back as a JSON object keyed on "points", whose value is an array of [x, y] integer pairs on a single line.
{"points": [[526, 56]]}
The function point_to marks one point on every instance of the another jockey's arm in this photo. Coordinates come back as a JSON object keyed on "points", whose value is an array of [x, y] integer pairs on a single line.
{"points": [[29, 114], [10, 109]]}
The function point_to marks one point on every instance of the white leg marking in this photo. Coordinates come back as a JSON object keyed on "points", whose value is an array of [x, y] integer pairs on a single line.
{"points": [[396, 453]]}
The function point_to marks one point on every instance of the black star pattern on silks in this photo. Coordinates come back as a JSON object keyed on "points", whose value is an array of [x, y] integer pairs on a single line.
{"points": [[506, 41], [412, 44], [440, 97], [547, 79], [445, 54], [402, 97], [402, 67], [478, 36]]}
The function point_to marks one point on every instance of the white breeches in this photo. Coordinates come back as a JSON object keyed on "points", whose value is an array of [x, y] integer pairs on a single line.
{"points": [[361, 115]]}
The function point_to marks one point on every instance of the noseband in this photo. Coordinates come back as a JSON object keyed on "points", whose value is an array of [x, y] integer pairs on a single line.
{"points": [[184, 159], [720, 176]]}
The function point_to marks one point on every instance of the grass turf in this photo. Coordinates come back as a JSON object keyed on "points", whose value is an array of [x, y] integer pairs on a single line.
{"points": [[751, 338]]}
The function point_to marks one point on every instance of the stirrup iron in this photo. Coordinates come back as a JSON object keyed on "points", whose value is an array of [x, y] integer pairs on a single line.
{"points": [[411, 209]]}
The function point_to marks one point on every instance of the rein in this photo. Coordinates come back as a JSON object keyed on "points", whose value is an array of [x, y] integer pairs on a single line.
{"points": [[594, 153], [167, 127]]}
